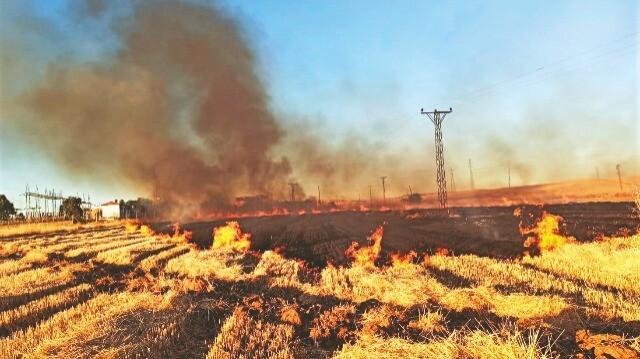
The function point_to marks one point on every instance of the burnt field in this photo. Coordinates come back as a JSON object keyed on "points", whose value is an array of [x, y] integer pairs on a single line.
{"points": [[123, 289], [484, 231]]}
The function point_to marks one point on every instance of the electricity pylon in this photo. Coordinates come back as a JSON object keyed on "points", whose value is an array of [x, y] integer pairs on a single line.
{"points": [[437, 117]]}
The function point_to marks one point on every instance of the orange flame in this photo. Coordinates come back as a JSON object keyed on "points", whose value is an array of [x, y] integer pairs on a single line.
{"points": [[147, 231], [546, 233], [517, 212], [403, 260], [181, 236], [131, 226], [134, 226], [366, 256], [231, 236], [442, 251]]}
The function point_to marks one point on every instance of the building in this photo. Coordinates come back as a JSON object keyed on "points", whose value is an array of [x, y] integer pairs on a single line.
{"points": [[111, 210]]}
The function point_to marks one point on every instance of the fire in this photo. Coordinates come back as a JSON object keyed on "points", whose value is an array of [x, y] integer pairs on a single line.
{"points": [[442, 251], [403, 260], [517, 212], [134, 226], [147, 231], [181, 236], [131, 226], [546, 233], [231, 236], [366, 256]]}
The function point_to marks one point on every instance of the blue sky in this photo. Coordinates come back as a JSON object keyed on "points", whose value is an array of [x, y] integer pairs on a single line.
{"points": [[367, 67]]}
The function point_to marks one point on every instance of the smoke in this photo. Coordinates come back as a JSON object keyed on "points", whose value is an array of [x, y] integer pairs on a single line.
{"points": [[172, 104], [338, 165], [178, 110]]}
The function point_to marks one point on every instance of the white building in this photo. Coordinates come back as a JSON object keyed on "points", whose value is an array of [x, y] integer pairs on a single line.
{"points": [[110, 210]]}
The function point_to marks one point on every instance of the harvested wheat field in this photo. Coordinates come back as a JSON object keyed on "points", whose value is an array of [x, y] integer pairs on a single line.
{"points": [[127, 291], [228, 179]]}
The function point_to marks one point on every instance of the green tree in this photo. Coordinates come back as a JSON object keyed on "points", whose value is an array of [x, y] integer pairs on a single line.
{"points": [[71, 208], [6, 207]]}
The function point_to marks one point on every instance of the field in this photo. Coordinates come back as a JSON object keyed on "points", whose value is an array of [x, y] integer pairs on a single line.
{"points": [[422, 285]]}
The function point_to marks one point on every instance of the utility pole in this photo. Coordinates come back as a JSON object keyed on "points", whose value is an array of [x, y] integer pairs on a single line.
{"points": [[319, 200], [473, 187], [293, 191], [453, 183], [437, 117], [370, 196], [384, 194], [619, 176], [509, 168]]}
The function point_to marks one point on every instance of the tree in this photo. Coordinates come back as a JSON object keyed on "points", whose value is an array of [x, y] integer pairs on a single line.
{"points": [[6, 208], [71, 208]]}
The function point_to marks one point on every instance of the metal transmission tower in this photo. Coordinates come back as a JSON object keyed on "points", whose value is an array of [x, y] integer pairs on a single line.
{"points": [[453, 182], [437, 117], [471, 184], [293, 191]]}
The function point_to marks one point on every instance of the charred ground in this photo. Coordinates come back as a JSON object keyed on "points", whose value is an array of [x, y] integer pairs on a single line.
{"points": [[485, 231]]}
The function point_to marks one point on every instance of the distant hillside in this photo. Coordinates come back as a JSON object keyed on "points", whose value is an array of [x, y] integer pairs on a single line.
{"points": [[585, 190]]}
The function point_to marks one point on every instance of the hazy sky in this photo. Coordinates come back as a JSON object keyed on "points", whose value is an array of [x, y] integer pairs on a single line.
{"points": [[550, 86]]}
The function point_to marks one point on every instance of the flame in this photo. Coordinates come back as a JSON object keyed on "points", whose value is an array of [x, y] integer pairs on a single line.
{"points": [[134, 226], [231, 236], [332, 207], [442, 251], [181, 236], [366, 256], [403, 260], [131, 226], [517, 212], [147, 231], [546, 233]]}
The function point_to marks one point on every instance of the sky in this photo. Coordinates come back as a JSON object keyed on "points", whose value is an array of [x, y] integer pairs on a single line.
{"points": [[550, 86]]}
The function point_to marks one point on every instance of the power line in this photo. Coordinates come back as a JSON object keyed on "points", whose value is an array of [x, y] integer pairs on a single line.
{"points": [[545, 77], [540, 68], [475, 96]]}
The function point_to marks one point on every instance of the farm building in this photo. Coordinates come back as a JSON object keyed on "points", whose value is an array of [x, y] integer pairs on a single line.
{"points": [[111, 210]]}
